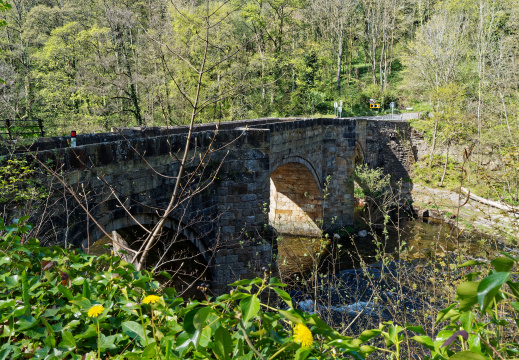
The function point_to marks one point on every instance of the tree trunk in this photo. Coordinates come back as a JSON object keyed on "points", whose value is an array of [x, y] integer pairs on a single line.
{"points": [[446, 162], [498, 205], [28, 102], [339, 60], [435, 133], [133, 90]]}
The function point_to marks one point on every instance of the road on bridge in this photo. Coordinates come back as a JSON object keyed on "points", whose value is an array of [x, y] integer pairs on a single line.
{"points": [[403, 117]]}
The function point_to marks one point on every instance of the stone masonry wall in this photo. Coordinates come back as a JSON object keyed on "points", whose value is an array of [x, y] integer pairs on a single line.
{"points": [[136, 168], [393, 146], [327, 148], [226, 215], [295, 201]]}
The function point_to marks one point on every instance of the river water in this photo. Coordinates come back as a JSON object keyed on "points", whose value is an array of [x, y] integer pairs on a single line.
{"points": [[414, 239]]}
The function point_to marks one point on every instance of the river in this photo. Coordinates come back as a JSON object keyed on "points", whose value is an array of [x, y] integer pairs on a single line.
{"points": [[414, 239]]}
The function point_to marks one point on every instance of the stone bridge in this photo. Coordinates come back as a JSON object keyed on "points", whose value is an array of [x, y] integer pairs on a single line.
{"points": [[245, 180]]}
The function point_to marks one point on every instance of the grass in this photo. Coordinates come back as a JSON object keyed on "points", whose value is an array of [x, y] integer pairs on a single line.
{"points": [[480, 180]]}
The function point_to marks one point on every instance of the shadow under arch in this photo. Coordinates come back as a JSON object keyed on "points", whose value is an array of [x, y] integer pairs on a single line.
{"points": [[296, 201], [300, 160], [359, 153], [180, 250]]}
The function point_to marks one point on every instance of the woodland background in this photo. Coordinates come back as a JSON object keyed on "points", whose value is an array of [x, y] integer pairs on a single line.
{"points": [[89, 65]]}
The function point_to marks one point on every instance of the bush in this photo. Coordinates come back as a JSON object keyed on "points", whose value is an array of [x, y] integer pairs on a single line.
{"points": [[64, 304]]}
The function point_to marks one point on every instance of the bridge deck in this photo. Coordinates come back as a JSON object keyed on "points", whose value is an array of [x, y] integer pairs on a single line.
{"points": [[120, 134]]}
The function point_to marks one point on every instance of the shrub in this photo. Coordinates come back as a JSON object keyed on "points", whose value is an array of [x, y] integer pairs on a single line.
{"points": [[64, 304]]}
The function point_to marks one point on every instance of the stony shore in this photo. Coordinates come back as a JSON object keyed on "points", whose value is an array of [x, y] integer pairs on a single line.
{"points": [[443, 204]]}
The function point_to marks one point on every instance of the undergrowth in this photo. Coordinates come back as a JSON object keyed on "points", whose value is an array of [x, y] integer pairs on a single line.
{"points": [[64, 304]]}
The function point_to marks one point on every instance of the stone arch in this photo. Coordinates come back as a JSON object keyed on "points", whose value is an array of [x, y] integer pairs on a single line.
{"points": [[298, 159], [150, 219], [296, 202], [180, 251], [359, 154]]}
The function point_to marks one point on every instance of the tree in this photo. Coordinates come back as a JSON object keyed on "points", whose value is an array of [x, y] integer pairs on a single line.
{"points": [[3, 7], [452, 121], [433, 56], [204, 20]]}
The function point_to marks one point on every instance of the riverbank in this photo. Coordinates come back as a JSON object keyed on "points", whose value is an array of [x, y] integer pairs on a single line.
{"points": [[443, 204]]}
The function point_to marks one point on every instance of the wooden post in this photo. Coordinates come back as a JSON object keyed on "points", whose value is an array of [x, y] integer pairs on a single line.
{"points": [[8, 127], [40, 125]]}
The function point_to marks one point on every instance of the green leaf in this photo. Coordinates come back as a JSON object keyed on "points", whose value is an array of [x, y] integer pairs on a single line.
{"points": [[26, 322], [4, 353], [150, 351], [78, 281], [446, 313], [86, 290], [314, 320], [274, 281], [222, 345], [200, 318], [417, 329], [425, 341], [474, 343], [488, 288], [502, 264], [65, 292], [5, 260], [302, 353], [133, 329], [295, 318], [514, 287], [466, 321], [7, 303], [468, 294], [107, 342], [249, 307], [368, 334], [471, 263], [67, 341], [367, 349], [187, 340], [170, 292], [50, 333], [12, 281], [166, 274], [284, 295], [83, 304], [91, 331], [344, 344], [206, 337], [188, 321], [472, 275], [241, 282], [26, 296], [467, 355]]}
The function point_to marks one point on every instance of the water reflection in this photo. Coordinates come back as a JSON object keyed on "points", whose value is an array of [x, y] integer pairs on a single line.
{"points": [[299, 256]]}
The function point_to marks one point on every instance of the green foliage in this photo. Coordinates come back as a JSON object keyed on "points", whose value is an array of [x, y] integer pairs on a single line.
{"points": [[3, 7], [65, 304], [371, 182], [17, 182], [48, 292], [476, 324]]}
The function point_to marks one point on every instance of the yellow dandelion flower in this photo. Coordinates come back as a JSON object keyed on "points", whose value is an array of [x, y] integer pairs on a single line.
{"points": [[303, 335], [150, 299], [95, 311]]}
